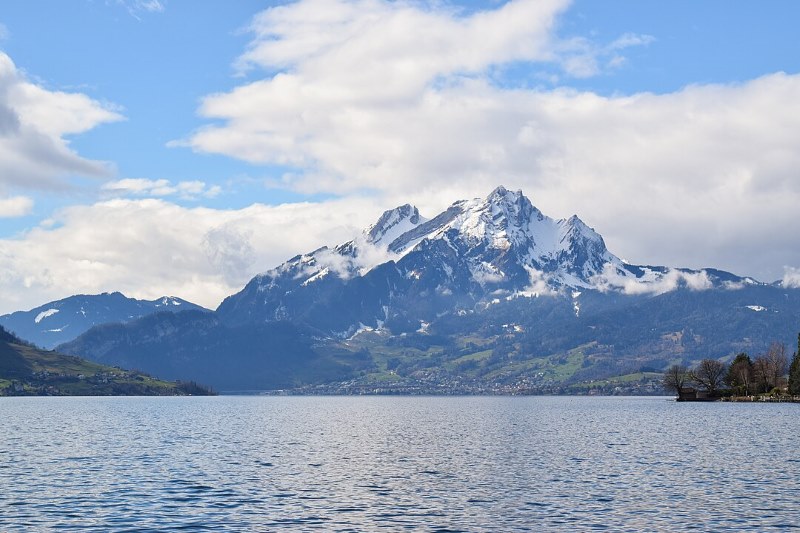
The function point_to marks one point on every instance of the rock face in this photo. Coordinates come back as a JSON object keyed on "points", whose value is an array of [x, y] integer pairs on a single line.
{"points": [[407, 269], [63, 320]]}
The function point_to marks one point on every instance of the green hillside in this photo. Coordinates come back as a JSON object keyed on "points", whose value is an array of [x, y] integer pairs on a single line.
{"points": [[29, 371]]}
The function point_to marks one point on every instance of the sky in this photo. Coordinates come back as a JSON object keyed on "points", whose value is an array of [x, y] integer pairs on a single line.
{"points": [[177, 147]]}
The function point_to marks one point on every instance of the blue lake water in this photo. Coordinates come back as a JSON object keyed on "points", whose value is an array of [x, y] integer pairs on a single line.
{"points": [[397, 463]]}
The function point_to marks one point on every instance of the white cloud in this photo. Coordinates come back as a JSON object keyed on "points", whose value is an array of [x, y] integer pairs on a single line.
{"points": [[791, 278], [187, 190], [583, 58], [630, 39], [148, 248], [652, 282], [539, 285], [34, 126], [401, 99], [15, 206], [136, 7]]}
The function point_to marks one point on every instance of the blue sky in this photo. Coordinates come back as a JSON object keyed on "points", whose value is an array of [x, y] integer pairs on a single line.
{"points": [[156, 66]]}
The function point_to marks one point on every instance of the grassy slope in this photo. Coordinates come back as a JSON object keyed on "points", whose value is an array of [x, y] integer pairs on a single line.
{"points": [[471, 358], [40, 372]]}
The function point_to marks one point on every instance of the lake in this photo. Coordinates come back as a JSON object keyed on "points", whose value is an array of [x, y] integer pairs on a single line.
{"points": [[260, 463]]}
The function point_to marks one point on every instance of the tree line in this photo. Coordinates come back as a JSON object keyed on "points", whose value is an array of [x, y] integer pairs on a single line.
{"points": [[769, 372]]}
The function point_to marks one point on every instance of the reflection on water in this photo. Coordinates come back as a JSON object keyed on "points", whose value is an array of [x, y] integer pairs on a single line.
{"points": [[371, 463]]}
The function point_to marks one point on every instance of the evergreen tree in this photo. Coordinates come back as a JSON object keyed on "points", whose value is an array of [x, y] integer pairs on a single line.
{"points": [[794, 371], [740, 374]]}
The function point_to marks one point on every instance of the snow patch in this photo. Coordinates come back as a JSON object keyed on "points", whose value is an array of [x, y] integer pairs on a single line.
{"points": [[318, 276], [392, 225], [360, 329], [44, 314]]}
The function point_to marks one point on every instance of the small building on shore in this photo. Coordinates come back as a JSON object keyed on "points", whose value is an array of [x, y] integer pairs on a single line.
{"points": [[690, 394]]}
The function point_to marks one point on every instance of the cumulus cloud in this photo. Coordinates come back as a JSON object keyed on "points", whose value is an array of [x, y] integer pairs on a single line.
{"points": [[187, 190], [15, 206], [34, 126], [148, 248], [229, 249], [402, 99]]}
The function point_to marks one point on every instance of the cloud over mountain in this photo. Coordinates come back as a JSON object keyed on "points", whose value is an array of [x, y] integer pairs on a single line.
{"points": [[413, 102], [151, 247]]}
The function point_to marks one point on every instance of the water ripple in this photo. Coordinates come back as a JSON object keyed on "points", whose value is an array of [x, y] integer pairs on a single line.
{"points": [[366, 464]]}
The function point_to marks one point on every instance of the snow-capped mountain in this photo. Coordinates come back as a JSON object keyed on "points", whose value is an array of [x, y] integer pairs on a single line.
{"points": [[489, 291], [408, 267], [63, 320]]}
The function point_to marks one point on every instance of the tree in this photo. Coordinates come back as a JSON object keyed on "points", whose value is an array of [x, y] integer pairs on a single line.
{"points": [[770, 367], [761, 374], [794, 371], [709, 374], [675, 378], [778, 363], [740, 374]]}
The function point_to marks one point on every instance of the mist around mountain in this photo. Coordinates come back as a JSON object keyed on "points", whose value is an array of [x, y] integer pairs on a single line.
{"points": [[489, 295], [63, 320]]}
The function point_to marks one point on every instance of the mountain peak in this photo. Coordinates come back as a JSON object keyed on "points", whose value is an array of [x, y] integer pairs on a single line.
{"points": [[392, 224], [500, 192]]}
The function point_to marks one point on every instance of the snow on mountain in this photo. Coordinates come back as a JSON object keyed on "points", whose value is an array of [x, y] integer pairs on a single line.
{"points": [[60, 321], [44, 314], [475, 252], [488, 231], [392, 224]]}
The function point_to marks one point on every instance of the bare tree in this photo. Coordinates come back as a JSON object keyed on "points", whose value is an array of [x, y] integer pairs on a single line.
{"points": [[761, 374], [769, 368], [709, 374], [675, 378], [778, 363]]}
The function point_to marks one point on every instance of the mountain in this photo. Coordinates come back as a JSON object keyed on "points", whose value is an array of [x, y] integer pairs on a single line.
{"points": [[60, 321], [407, 270], [29, 371], [196, 345], [489, 295]]}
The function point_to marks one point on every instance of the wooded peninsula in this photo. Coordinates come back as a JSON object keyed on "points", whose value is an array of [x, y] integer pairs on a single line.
{"points": [[768, 377]]}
